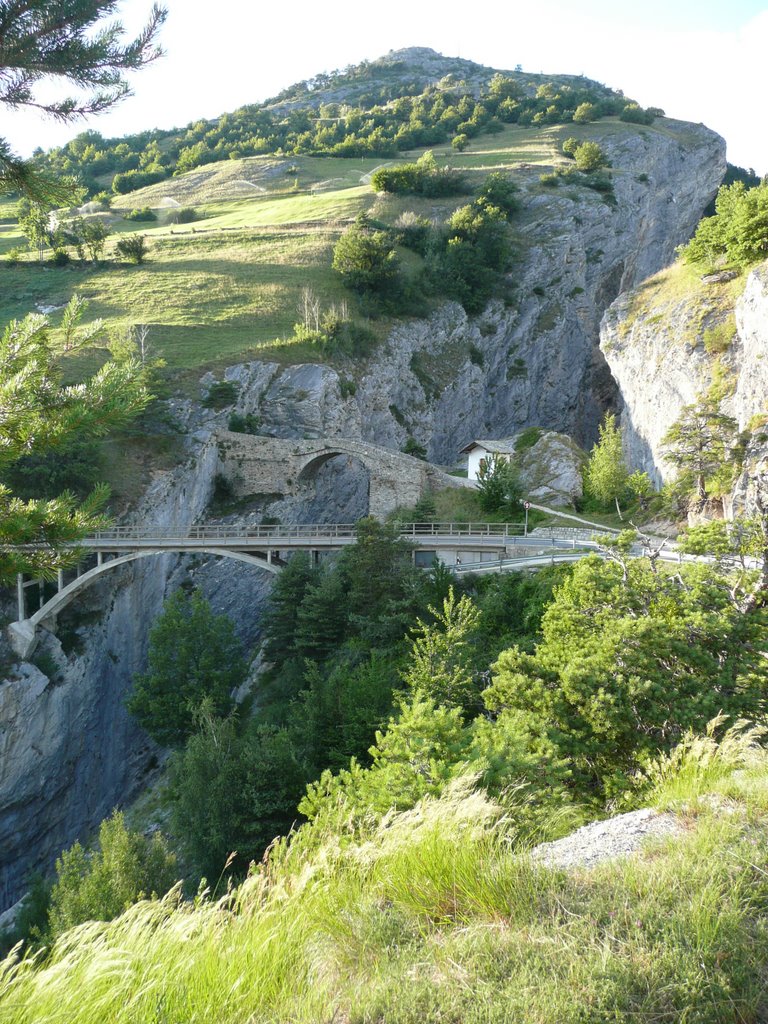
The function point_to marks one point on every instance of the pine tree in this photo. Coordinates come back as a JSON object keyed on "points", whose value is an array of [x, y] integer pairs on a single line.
{"points": [[194, 656], [606, 474]]}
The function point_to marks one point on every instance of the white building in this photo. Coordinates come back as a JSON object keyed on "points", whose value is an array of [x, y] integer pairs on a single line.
{"points": [[478, 451]]}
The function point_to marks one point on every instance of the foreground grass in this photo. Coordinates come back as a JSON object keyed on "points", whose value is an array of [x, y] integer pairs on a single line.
{"points": [[434, 915]]}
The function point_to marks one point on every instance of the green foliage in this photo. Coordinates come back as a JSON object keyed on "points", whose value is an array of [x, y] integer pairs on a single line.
{"points": [[584, 113], [589, 157], [39, 415], [423, 178], [74, 467], [220, 394], [738, 232], [443, 665], [498, 485], [499, 190], [100, 885], [460, 142], [412, 447], [466, 262], [618, 673], [699, 443], [396, 114], [194, 656], [606, 473], [249, 423], [232, 793], [143, 214], [570, 146], [635, 114], [366, 260], [527, 438], [134, 248]]}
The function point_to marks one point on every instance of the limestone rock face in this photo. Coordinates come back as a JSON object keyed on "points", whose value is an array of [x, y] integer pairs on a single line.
{"points": [[658, 355], [551, 469], [534, 361]]}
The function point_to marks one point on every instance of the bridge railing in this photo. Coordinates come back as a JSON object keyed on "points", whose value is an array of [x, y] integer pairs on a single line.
{"points": [[273, 534]]}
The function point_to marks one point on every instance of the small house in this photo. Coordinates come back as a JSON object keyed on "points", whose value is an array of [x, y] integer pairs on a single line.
{"points": [[478, 451]]}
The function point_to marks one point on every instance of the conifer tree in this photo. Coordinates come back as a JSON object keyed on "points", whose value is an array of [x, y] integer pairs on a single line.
{"points": [[606, 473]]}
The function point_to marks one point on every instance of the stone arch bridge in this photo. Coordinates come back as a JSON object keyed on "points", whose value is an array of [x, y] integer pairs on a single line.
{"points": [[252, 464]]}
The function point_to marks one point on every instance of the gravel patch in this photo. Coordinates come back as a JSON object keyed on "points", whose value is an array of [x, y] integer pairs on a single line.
{"points": [[606, 840]]}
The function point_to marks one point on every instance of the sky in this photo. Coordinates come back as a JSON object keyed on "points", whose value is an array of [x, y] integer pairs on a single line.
{"points": [[700, 60]]}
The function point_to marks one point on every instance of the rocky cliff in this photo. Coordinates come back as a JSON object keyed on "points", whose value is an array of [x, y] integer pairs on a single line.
{"points": [[68, 750], [668, 341], [534, 359]]}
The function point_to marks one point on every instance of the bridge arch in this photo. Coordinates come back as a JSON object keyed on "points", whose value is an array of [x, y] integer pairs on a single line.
{"points": [[23, 633]]}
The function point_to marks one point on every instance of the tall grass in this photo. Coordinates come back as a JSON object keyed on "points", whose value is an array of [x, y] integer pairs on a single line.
{"points": [[435, 915]]}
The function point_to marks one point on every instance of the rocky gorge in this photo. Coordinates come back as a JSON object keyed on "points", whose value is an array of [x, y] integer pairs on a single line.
{"points": [[69, 752]]}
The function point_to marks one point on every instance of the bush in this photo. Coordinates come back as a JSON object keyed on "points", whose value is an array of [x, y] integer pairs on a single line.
{"points": [[232, 793], [589, 157], [584, 113], [738, 232], [500, 191], [99, 886], [366, 259], [633, 113], [220, 394], [140, 214], [134, 248], [250, 423], [60, 258], [423, 178], [570, 146], [13, 256]]}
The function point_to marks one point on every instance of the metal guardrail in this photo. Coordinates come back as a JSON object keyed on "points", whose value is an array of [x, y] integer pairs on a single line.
{"points": [[308, 531]]}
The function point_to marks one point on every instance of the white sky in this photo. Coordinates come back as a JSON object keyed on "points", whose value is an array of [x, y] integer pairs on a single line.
{"points": [[701, 60]]}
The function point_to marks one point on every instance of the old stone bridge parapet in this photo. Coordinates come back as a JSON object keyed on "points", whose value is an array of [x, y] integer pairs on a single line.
{"points": [[252, 464]]}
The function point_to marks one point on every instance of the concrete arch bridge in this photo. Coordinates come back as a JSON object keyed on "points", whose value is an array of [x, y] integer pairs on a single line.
{"points": [[465, 547]]}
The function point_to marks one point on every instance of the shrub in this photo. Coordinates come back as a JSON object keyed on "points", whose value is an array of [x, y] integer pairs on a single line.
{"points": [[584, 113], [13, 256], [140, 214], [500, 191], [498, 485], [366, 259], [220, 394], [460, 142], [412, 447], [99, 886], [422, 178], [633, 113], [247, 424], [589, 157], [134, 248], [60, 258], [570, 146]]}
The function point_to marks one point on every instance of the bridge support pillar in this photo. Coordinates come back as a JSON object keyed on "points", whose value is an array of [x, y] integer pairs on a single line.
{"points": [[20, 597], [23, 638], [60, 580], [99, 557]]}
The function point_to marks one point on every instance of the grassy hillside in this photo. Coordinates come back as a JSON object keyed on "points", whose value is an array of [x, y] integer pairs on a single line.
{"points": [[220, 289], [435, 915]]}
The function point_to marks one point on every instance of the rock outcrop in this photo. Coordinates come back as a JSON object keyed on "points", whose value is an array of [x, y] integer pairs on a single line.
{"points": [[668, 342], [533, 360]]}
